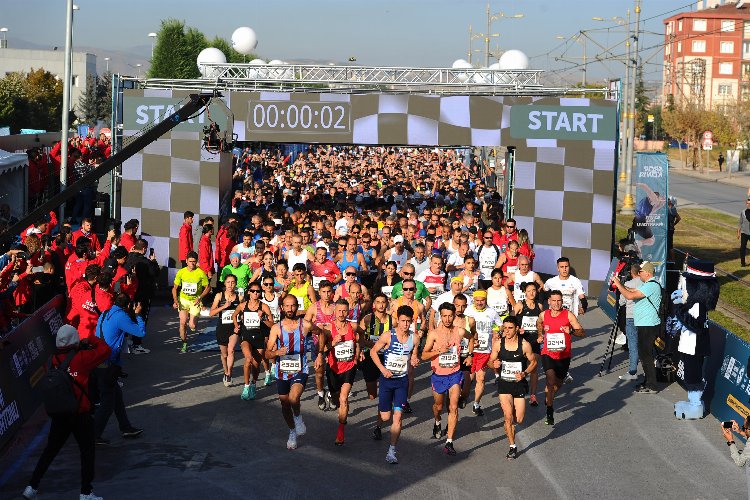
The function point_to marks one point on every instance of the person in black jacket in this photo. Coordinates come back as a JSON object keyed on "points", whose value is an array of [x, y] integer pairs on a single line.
{"points": [[147, 270]]}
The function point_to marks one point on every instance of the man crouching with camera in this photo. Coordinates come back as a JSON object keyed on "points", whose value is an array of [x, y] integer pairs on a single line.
{"points": [[739, 458]]}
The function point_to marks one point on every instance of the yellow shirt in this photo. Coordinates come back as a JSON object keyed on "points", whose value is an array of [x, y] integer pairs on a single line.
{"points": [[191, 283]]}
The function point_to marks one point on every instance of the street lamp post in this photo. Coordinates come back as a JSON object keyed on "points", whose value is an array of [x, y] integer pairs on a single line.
{"points": [[490, 19], [106, 59], [473, 36], [66, 102], [139, 69], [153, 36], [627, 204], [4, 41]]}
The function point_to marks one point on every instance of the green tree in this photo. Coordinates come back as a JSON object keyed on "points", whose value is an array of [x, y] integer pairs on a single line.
{"points": [[88, 103], [45, 93], [686, 122], [195, 42], [104, 97], [232, 55], [169, 50], [14, 103], [642, 104]]}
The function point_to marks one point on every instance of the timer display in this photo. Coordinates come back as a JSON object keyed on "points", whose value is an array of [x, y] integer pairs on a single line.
{"points": [[299, 117]]}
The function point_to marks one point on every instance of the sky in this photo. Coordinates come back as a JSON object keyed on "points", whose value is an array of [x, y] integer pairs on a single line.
{"points": [[425, 33]]}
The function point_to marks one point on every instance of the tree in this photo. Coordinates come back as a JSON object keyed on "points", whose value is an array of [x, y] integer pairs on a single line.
{"points": [[104, 97], [686, 122], [45, 94], [642, 104], [232, 55], [88, 103], [195, 42], [13, 101]]}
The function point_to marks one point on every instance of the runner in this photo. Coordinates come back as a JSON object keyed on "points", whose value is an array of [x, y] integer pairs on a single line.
{"points": [[470, 275], [192, 283], [286, 344], [273, 300], [398, 253], [528, 312], [300, 288], [468, 326], [419, 322], [486, 320], [522, 276], [442, 349], [256, 318], [512, 355], [239, 270], [245, 248], [323, 268], [297, 254], [555, 327], [224, 304], [343, 352], [499, 296], [422, 295], [322, 315], [398, 353], [351, 258], [434, 277], [387, 282], [371, 327]]}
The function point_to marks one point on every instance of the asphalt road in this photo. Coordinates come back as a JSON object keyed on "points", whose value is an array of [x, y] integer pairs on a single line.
{"points": [[692, 191], [202, 441]]}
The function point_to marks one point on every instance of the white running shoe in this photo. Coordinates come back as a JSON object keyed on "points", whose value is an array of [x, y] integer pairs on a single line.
{"points": [[90, 496], [291, 443], [299, 426], [568, 379], [30, 493], [621, 339], [139, 349], [391, 456]]}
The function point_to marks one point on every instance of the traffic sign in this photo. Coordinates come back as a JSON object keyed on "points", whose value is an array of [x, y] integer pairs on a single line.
{"points": [[708, 135], [708, 144]]}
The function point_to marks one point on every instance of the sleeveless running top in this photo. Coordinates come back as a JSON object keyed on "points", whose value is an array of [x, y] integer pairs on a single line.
{"points": [[397, 355], [497, 299], [518, 280], [375, 329], [415, 318], [252, 321], [224, 322], [529, 315], [448, 362], [555, 343], [273, 305], [294, 361], [341, 356], [510, 267], [512, 361], [303, 300], [293, 259], [344, 263]]}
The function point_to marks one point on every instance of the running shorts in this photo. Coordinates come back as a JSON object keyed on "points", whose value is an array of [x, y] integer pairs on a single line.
{"points": [[337, 380], [560, 366], [479, 361], [442, 383], [284, 386], [392, 393]]}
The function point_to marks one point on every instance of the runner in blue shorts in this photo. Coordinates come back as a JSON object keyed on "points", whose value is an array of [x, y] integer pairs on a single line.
{"points": [[398, 354]]}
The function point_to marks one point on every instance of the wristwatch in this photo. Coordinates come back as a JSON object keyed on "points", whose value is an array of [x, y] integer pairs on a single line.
{"points": [[730, 443]]}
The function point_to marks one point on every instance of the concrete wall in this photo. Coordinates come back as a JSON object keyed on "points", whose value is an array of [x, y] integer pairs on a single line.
{"points": [[84, 64]]}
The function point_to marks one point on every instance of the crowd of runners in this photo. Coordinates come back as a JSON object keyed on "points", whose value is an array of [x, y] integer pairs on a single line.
{"points": [[339, 261]]}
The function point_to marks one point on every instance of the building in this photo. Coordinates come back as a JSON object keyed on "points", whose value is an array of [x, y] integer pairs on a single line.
{"points": [[707, 54], [84, 64]]}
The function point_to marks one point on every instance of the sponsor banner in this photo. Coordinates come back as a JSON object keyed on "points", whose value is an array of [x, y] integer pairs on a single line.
{"points": [[607, 298], [727, 368], [651, 210], [140, 112], [23, 357]]}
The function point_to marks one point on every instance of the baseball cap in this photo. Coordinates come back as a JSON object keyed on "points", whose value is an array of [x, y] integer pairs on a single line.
{"points": [[648, 267], [398, 239]]}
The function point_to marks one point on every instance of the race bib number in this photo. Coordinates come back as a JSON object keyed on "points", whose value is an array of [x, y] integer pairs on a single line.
{"points": [[483, 341], [518, 293], [501, 308], [568, 301], [508, 370], [555, 342], [464, 346], [528, 323], [511, 270], [290, 363], [251, 319], [387, 290], [189, 288], [275, 313], [397, 363], [316, 281], [301, 303], [226, 317], [344, 351], [448, 359]]}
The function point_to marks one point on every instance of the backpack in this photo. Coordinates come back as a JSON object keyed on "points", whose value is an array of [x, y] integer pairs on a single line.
{"points": [[56, 388]]}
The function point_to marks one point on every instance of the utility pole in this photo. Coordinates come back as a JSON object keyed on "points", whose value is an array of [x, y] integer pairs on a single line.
{"points": [[624, 99], [627, 206], [66, 102]]}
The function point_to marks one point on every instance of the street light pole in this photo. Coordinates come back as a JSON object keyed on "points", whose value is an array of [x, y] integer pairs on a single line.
{"points": [[624, 98], [487, 35], [4, 41], [152, 36], [66, 102], [106, 59], [627, 205]]}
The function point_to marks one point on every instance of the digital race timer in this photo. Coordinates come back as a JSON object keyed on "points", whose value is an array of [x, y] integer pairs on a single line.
{"points": [[299, 117]]}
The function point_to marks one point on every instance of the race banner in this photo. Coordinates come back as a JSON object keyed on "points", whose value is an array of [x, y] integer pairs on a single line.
{"points": [[607, 297], [728, 384], [651, 210]]}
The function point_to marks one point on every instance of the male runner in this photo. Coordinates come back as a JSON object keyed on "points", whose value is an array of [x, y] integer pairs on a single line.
{"points": [[442, 349], [322, 316], [286, 344], [371, 328], [486, 320], [555, 327], [419, 323], [343, 351], [468, 326], [398, 353], [192, 283], [512, 355]]}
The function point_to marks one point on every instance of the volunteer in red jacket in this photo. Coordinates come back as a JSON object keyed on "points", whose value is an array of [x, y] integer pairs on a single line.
{"points": [[129, 232], [186, 237], [86, 232], [555, 328], [89, 354], [82, 310], [205, 253]]}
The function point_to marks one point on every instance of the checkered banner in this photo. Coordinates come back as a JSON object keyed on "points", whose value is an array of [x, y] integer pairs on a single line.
{"points": [[564, 157]]}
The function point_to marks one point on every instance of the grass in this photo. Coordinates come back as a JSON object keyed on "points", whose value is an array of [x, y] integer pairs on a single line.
{"points": [[711, 235]]}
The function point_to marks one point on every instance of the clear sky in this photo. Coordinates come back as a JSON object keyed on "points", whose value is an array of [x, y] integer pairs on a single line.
{"points": [[376, 32]]}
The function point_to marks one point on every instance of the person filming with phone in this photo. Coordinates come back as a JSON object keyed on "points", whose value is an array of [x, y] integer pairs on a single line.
{"points": [[740, 459]]}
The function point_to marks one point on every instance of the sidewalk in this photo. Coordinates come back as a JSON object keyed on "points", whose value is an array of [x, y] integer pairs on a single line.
{"points": [[740, 179]]}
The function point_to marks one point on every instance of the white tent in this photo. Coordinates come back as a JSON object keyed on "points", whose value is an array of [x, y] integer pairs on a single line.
{"points": [[14, 181]]}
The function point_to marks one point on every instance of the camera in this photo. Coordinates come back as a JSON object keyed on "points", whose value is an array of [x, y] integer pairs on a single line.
{"points": [[728, 424]]}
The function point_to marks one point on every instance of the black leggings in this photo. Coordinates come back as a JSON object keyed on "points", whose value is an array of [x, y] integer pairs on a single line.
{"points": [[81, 425], [744, 238]]}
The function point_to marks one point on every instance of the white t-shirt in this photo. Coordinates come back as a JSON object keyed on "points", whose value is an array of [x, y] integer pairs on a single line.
{"points": [[485, 321], [518, 280], [399, 259], [455, 260], [433, 280], [419, 268], [571, 289], [486, 260], [447, 297]]}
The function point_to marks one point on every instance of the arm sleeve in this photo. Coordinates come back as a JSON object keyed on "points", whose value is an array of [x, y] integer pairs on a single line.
{"points": [[740, 459]]}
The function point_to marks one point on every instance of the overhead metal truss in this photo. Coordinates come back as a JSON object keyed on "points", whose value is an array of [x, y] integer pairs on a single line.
{"points": [[364, 79]]}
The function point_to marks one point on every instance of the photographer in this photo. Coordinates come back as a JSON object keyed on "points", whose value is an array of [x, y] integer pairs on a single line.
{"points": [[88, 354], [740, 459], [123, 318]]}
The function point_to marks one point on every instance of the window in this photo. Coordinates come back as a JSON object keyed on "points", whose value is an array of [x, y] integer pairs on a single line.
{"points": [[679, 25], [679, 46], [727, 25], [725, 68], [726, 47], [745, 68], [699, 45], [725, 89], [746, 29], [699, 25], [745, 48], [74, 81]]}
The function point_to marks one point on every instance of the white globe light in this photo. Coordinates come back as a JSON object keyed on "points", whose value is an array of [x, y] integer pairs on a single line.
{"points": [[461, 64], [257, 62], [514, 60], [494, 66], [275, 62], [211, 55], [244, 40]]}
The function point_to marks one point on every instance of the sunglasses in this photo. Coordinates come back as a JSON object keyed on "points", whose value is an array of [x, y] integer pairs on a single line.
{"points": [[409, 289], [509, 226], [254, 290], [405, 273], [268, 284], [351, 274]]}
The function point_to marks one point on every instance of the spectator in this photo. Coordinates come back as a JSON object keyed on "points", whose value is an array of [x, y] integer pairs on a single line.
{"points": [[743, 231], [146, 271], [186, 237], [83, 312], [128, 238], [86, 231], [205, 252]]}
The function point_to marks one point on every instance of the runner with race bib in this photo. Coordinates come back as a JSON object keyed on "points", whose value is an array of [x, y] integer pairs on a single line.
{"points": [[486, 320], [224, 305]]}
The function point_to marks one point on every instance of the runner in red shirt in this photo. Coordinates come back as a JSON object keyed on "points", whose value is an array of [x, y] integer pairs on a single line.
{"points": [[323, 268]]}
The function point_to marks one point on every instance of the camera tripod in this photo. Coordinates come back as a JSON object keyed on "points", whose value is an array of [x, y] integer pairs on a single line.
{"points": [[609, 352]]}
